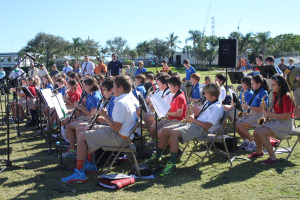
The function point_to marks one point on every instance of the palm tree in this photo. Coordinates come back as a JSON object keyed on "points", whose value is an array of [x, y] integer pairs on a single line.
{"points": [[194, 37], [187, 49], [143, 48], [77, 45], [246, 41], [263, 38], [172, 42]]}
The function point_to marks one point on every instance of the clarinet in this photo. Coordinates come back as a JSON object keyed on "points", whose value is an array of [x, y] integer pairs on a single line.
{"points": [[79, 102], [95, 117]]}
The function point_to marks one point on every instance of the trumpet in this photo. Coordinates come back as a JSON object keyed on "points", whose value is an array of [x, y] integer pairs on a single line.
{"points": [[264, 120], [196, 102]]}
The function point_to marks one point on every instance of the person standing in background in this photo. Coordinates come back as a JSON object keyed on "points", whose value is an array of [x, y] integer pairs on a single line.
{"points": [[115, 66], [87, 67], [67, 68]]}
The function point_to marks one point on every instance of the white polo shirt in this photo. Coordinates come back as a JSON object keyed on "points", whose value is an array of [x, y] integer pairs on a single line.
{"points": [[213, 115], [165, 95], [222, 94], [66, 69], [125, 112]]}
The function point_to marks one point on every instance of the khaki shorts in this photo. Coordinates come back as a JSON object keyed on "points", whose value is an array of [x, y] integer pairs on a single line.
{"points": [[166, 122], [189, 131], [102, 136], [252, 118], [280, 128], [79, 120]]}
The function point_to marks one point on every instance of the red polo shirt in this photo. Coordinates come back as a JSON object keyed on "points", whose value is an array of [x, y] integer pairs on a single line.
{"points": [[74, 96], [286, 106], [32, 90], [178, 103]]}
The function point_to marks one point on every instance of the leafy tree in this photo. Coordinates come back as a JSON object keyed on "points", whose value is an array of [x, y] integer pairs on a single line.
{"points": [[160, 48], [195, 35], [133, 54], [187, 49], [143, 48], [116, 45], [172, 41]]}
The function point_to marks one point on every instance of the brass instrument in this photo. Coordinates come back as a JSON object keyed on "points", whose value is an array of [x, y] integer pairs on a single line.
{"points": [[263, 120], [191, 108], [243, 113]]}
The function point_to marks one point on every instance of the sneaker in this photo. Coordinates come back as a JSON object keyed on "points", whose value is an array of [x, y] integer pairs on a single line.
{"points": [[152, 161], [256, 155], [269, 161], [150, 144], [77, 177], [244, 145], [69, 155], [251, 147], [90, 168], [63, 144], [169, 170]]}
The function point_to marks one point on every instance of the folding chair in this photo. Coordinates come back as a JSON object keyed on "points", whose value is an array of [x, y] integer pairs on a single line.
{"points": [[217, 136], [127, 147]]}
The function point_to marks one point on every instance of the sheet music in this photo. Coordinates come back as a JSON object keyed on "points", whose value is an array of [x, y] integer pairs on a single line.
{"points": [[161, 107], [57, 107], [47, 94], [62, 102]]}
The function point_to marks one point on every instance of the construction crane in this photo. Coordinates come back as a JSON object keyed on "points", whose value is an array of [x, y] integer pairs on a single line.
{"points": [[206, 19], [238, 27], [212, 26]]}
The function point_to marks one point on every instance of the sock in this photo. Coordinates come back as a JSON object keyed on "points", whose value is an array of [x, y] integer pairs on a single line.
{"points": [[246, 140], [173, 158], [79, 165], [72, 150], [159, 152]]}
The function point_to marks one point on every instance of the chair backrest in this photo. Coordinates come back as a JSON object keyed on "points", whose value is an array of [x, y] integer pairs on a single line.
{"points": [[133, 129], [222, 122]]}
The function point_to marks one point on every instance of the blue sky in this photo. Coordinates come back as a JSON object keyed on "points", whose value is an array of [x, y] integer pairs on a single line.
{"points": [[141, 20]]}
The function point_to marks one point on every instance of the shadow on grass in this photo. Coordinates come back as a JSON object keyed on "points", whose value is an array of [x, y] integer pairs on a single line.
{"points": [[245, 171]]}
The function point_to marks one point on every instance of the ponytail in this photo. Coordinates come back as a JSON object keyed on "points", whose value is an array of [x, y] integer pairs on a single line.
{"points": [[259, 79], [265, 84]]}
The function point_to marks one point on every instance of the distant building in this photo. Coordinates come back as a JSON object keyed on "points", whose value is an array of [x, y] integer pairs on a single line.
{"points": [[12, 58]]}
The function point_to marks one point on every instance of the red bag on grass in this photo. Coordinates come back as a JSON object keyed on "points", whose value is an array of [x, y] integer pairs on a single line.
{"points": [[115, 181]]}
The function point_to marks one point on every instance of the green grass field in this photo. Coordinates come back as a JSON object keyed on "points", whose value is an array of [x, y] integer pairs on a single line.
{"points": [[214, 180]]}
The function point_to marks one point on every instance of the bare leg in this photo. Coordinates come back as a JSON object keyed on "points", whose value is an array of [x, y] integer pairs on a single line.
{"points": [[164, 139], [71, 135], [174, 137], [260, 136], [242, 130], [82, 148]]}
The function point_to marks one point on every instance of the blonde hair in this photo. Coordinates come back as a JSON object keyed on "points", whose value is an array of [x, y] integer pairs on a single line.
{"points": [[291, 59], [141, 62], [196, 76], [213, 89]]}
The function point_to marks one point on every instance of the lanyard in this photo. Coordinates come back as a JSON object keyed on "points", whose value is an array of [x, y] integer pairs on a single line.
{"points": [[255, 93], [206, 106], [163, 96], [177, 94]]}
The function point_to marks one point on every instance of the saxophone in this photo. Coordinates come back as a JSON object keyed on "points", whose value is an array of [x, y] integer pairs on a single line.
{"points": [[243, 113], [263, 120], [196, 102]]}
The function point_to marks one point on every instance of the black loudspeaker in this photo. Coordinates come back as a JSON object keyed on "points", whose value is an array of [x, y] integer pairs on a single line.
{"points": [[228, 49]]}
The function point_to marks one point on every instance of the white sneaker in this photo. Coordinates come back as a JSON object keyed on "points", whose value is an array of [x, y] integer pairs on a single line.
{"points": [[244, 145], [251, 147]]}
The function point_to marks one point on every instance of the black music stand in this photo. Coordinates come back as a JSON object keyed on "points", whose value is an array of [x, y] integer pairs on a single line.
{"points": [[236, 77], [143, 108], [62, 116], [237, 106], [267, 71]]}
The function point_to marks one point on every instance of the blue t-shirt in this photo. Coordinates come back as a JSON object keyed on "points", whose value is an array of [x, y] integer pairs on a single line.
{"points": [[189, 72], [139, 71], [49, 85], [257, 99], [140, 88], [114, 67], [248, 96], [277, 69], [92, 101], [110, 106], [62, 90], [195, 92]]}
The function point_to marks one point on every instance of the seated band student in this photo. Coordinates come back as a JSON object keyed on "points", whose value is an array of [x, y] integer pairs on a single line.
{"points": [[21, 103], [270, 61], [107, 93], [195, 94], [281, 119], [164, 93], [124, 117], [139, 82], [61, 84], [178, 108], [207, 79], [93, 97], [73, 95], [221, 79], [47, 82], [246, 93], [74, 76], [149, 85], [33, 83], [200, 126], [261, 88]]}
